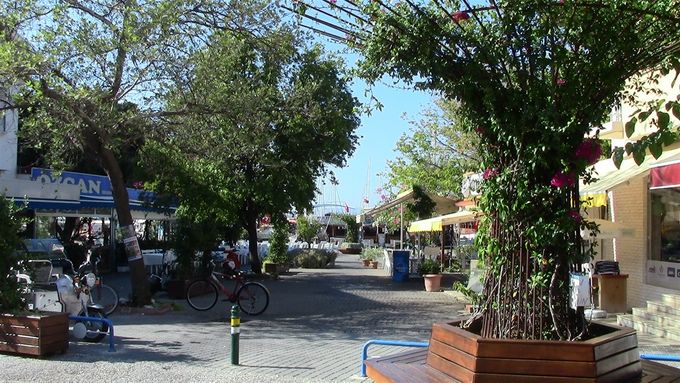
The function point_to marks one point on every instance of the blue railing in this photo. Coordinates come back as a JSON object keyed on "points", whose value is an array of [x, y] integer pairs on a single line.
{"points": [[661, 357], [108, 322], [401, 343]]}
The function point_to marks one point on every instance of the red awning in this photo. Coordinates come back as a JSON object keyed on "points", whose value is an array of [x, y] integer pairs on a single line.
{"points": [[665, 176]]}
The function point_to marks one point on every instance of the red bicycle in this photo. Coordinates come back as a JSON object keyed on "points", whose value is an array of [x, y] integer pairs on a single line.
{"points": [[252, 297]]}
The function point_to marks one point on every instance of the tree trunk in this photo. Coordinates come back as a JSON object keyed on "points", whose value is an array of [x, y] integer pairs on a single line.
{"points": [[140, 284], [255, 263]]}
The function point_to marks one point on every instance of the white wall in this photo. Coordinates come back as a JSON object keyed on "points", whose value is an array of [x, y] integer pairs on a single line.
{"points": [[8, 138]]}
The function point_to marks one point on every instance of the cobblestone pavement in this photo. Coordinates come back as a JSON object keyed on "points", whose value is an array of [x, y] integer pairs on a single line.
{"points": [[313, 331]]}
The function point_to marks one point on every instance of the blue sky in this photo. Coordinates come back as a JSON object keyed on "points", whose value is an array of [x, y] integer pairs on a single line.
{"points": [[379, 134]]}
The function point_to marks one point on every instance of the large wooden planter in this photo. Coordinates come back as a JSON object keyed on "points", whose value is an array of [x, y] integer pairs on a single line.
{"points": [[467, 357], [38, 335]]}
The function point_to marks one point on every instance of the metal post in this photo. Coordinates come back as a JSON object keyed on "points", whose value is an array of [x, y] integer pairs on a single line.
{"points": [[235, 333]]}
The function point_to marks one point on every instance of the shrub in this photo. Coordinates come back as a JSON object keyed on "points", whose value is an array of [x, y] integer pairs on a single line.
{"points": [[429, 266], [313, 258], [279, 246]]}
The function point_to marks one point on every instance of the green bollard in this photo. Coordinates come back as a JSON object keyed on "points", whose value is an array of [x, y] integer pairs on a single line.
{"points": [[235, 333]]}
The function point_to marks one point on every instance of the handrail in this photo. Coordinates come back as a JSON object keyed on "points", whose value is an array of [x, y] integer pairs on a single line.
{"points": [[661, 357], [383, 342], [112, 348]]}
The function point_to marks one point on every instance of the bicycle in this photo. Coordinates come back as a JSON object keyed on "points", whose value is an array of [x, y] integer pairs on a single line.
{"points": [[101, 294], [252, 297]]}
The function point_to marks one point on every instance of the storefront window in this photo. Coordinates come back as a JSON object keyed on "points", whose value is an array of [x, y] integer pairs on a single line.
{"points": [[663, 265], [665, 222]]}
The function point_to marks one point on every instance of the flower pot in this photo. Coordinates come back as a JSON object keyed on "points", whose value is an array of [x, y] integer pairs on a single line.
{"points": [[610, 356], [366, 262], [433, 282], [270, 268], [35, 334], [373, 264]]}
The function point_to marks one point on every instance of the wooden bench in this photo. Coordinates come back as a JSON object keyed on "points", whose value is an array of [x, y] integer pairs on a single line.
{"points": [[412, 366]]}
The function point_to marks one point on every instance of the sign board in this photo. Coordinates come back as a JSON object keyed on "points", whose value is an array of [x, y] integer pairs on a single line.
{"points": [[663, 274]]}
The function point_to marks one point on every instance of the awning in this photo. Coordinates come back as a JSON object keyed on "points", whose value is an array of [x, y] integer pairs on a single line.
{"points": [[436, 223], [665, 176], [595, 194], [608, 230], [442, 204], [426, 225]]}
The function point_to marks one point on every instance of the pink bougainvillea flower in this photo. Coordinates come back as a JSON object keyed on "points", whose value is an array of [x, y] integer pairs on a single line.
{"points": [[365, 200], [561, 179], [575, 216], [333, 1], [138, 184], [489, 173], [460, 16], [561, 81], [589, 150], [480, 130]]}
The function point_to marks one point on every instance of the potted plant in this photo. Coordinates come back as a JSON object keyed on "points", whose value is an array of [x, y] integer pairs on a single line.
{"points": [[350, 248], [430, 270], [277, 260], [370, 256], [523, 74], [22, 331]]}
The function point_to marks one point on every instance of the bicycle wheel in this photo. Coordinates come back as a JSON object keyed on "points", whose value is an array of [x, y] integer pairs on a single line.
{"points": [[96, 330], [253, 298], [202, 295], [105, 296]]}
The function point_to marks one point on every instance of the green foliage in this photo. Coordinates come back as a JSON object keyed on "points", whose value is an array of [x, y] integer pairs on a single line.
{"points": [[422, 205], [532, 79], [429, 266], [436, 152], [10, 225], [352, 227], [372, 253], [313, 258], [473, 297], [195, 235], [266, 116], [307, 228], [279, 243]]}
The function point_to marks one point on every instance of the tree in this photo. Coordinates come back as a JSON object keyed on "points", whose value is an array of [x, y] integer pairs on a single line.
{"points": [[534, 77], [10, 225], [307, 228], [352, 227], [436, 152], [270, 117], [93, 71]]}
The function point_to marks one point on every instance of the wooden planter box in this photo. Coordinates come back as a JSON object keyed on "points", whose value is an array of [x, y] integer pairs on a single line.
{"points": [[467, 357], [38, 335]]}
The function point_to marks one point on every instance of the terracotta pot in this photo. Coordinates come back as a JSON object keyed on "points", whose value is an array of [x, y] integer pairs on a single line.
{"points": [[366, 262], [374, 264], [433, 282]]}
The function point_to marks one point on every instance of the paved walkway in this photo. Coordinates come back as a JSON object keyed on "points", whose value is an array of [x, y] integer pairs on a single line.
{"points": [[312, 331]]}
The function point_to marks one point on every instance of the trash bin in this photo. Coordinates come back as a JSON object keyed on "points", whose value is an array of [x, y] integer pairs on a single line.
{"points": [[400, 265]]}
